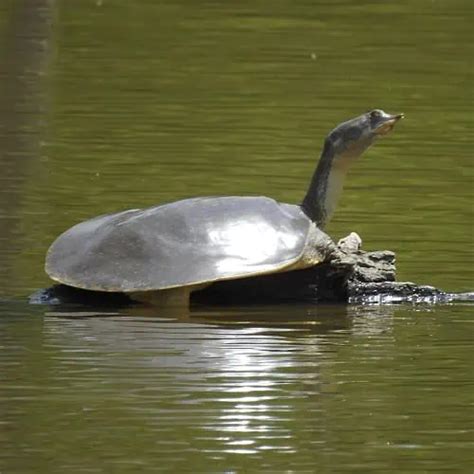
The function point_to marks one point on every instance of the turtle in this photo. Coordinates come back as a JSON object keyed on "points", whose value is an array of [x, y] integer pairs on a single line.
{"points": [[163, 253]]}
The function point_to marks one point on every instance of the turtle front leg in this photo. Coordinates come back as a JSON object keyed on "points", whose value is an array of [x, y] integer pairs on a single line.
{"points": [[350, 243]]}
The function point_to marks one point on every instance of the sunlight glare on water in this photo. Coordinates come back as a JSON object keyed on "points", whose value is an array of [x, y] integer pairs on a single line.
{"points": [[367, 387]]}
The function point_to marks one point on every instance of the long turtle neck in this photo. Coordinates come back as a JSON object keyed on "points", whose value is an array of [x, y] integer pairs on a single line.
{"points": [[342, 147], [327, 183]]}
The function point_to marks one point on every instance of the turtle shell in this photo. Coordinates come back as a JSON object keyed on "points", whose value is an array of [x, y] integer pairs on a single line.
{"points": [[187, 242]]}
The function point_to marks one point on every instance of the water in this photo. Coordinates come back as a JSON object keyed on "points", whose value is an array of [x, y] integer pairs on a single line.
{"points": [[283, 389], [127, 104]]}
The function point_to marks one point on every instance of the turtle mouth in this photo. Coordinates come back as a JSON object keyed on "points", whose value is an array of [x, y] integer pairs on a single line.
{"points": [[387, 124]]}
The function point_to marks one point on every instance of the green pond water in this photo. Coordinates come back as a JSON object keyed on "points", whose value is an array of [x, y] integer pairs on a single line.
{"points": [[112, 104]]}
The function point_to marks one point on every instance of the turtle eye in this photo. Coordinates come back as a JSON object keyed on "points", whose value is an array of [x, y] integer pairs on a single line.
{"points": [[375, 114]]}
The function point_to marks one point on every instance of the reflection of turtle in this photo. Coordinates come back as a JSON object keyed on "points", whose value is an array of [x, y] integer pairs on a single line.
{"points": [[163, 253]]}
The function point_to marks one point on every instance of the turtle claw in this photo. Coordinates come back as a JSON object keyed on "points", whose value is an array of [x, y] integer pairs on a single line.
{"points": [[351, 243]]}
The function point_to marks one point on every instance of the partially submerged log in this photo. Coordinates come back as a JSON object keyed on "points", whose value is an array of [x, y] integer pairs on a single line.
{"points": [[351, 275]]}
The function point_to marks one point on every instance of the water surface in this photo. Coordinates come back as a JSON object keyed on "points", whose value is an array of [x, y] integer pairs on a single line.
{"points": [[277, 389], [111, 105]]}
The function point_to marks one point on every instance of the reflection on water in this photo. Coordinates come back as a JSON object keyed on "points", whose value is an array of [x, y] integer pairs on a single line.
{"points": [[355, 386], [24, 50]]}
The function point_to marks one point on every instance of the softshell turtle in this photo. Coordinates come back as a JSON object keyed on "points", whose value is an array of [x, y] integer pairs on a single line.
{"points": [[163, 253]]}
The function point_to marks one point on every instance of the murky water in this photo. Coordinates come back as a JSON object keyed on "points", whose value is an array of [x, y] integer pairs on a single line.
{"points": [[126, 104], [282, 389]]}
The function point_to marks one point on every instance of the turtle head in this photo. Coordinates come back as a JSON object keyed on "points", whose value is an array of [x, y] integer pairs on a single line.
{"points": [[352, 138], [342, 147]]}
